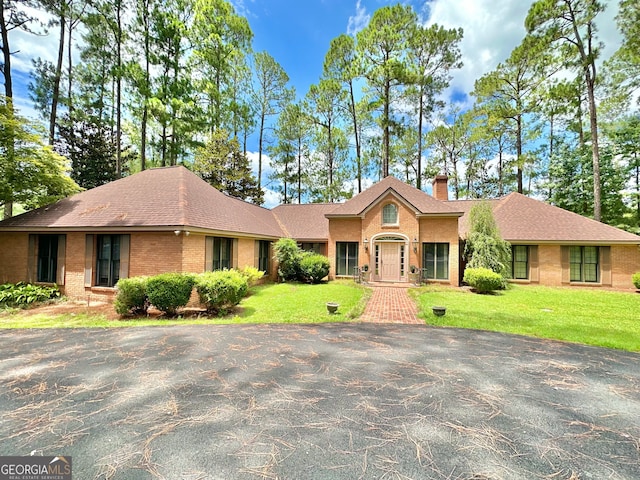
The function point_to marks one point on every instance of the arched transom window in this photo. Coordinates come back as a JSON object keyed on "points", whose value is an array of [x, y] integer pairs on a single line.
{"points": [[390, 214]]}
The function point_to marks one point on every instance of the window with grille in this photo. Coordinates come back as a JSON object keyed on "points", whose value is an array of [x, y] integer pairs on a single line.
{"points": [[584, 264], [520, 262], [390, 214]]}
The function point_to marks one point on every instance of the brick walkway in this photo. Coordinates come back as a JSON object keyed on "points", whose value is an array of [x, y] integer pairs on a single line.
{"points": [[391, 305]]}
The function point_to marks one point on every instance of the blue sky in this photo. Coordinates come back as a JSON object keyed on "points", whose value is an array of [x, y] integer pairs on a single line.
{"points": [[297, 33]]}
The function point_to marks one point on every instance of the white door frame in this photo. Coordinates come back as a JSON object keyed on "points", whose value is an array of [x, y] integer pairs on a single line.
{"points": [[400, 240]]}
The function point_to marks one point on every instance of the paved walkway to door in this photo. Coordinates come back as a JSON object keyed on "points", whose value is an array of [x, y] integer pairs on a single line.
{"points": [[391, 304]]}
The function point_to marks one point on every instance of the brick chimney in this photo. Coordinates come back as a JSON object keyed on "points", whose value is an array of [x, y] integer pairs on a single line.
{"points": [[441, 187]]}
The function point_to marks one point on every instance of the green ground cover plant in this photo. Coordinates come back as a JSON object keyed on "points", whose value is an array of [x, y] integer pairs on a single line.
{"points": [[589, 316], [24, 294]]}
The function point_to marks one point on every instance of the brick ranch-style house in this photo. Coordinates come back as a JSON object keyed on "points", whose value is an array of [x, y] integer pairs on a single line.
{"points": [[169, 220]]}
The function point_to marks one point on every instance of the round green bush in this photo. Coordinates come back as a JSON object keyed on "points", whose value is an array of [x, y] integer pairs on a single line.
{"points": [[131, 296], [483, 280], [252, 274], [221, 289], [170, 291], [288, 256], [636, 280], [313, 268]]}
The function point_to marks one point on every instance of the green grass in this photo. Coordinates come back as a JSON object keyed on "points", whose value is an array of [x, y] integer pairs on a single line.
{"points": [[271, 303], [589, 316], [300, 303]]}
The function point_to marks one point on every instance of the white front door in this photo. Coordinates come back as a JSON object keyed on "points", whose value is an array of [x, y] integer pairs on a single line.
{"points": [[390, 262]]}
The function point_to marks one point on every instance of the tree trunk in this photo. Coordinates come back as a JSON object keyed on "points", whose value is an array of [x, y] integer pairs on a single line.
{"points": [[354, 117], [260, 150], [386, 144], [70, 67], [595, 150], [300, 172], [419, 165], [56, 83], [8, 91], [519, 151], [119, 89]]}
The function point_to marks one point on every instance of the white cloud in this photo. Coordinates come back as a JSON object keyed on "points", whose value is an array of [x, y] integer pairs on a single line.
{"points": [[358, 21], [271, 198], [267, 169], [492, 29]]}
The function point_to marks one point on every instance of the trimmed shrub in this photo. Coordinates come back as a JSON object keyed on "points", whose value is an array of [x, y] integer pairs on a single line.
{"points": [[314, 267], [170, 291], [221, 290], [636, 280], [252, 274], [131, 296], [288, 255], [483, 280], [23, 294]]}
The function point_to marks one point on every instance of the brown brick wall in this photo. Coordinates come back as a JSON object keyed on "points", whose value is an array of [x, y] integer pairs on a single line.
{"points": [[549, 265], [442, 230], [625, 261], [424, 230], [14, 249], [153, 253], [344, 230], [246, 252], [74, 268]]}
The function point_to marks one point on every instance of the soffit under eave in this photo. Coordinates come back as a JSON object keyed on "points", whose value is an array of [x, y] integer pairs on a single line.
{"points": [[138, 229], [440, 215], [595, 243]]}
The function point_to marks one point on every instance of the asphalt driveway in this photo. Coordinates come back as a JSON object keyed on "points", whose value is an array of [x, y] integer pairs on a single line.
{"points": [[343, 401]]}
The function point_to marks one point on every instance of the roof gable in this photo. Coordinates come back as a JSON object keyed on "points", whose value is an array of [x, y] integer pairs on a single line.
{"points": [[421, 202]]}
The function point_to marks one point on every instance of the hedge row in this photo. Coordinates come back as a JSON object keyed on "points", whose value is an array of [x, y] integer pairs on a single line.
{"points": [[218, 291]]}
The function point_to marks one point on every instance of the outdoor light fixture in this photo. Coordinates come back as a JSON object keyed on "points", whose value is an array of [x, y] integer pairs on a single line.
{"points": [[415, 245], [366, 244], [177, 232]]}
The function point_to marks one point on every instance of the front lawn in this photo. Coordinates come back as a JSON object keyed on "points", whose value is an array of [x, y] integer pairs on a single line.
{"points": [[271, 303], [590, 316]]}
